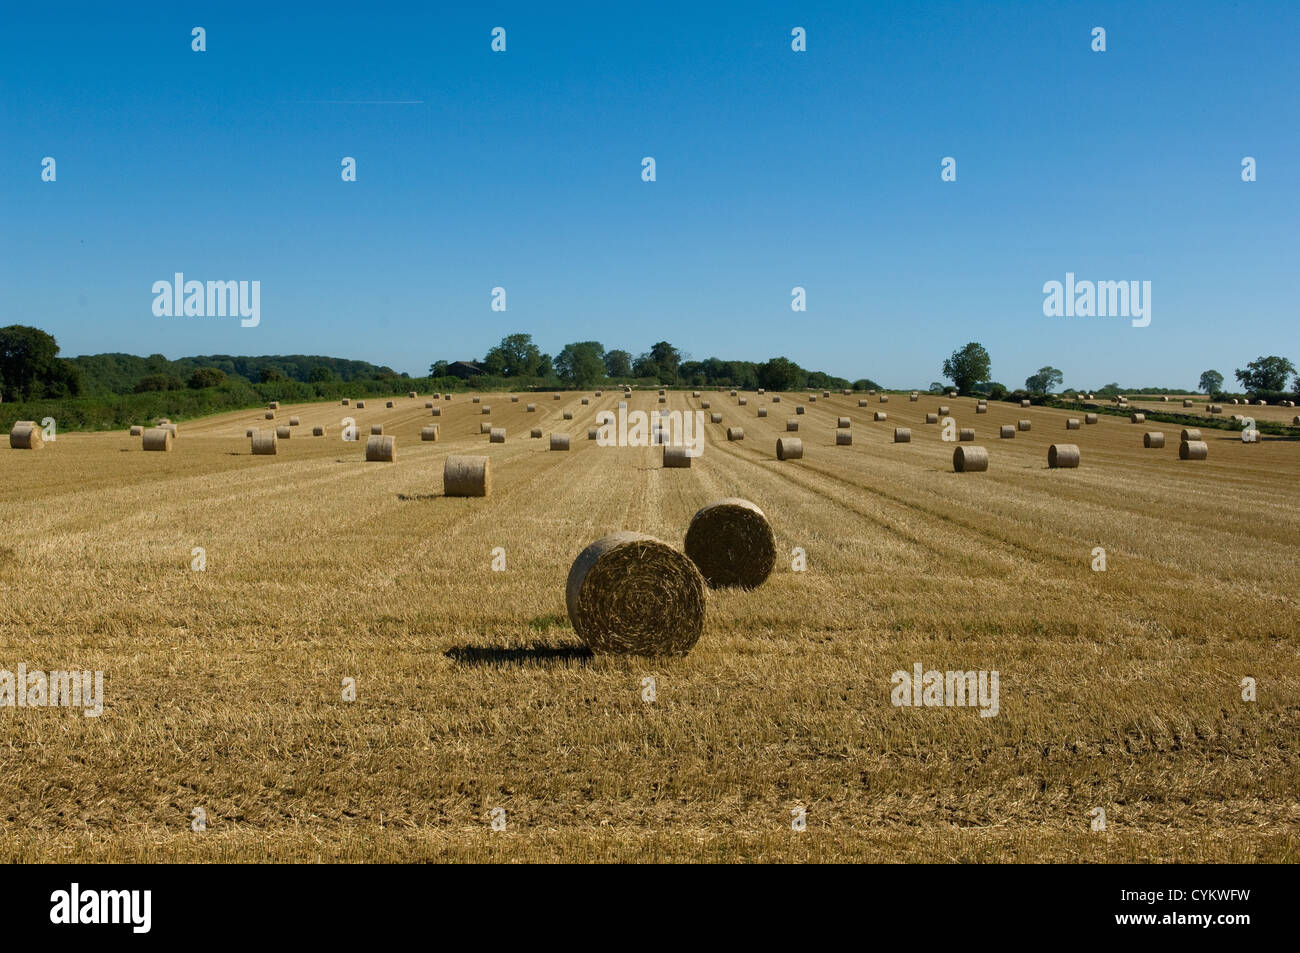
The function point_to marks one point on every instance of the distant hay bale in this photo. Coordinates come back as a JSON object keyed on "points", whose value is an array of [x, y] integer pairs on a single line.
{"points": [[318, 431], [1090, 418], [952, 393], [25, 435], [598, 394], [273, 405], [970, 460], [436, 412], [264, 444], [1188, 403], [1261, 403], [412, 395], [931, 418], [1007, 432], [862, 402], [735, 433], [676, 458], [902, 435], [812, 399], [294, 422], [1024, 426], [531, 408], [1063, 456], [966, 434], [535, 433], [157, 438], [568, 415], [826, 393], [283, 433], [705, 405], [695, 393], [1154, 440], [428, 405], [345, 401], [880, 415], [555, 397], [1193, 450], [776, 398], [1137, 418], [1295, 421], [361, 405], [478, 400], [733, 393], [1216, 408], [884, 398], [429, 433], [1024, 403], [466, 476], [585, 402], [1072, 424], [943, 410], [743, 401], [559, 441], [1190, 434], [662, 392], [789, 448], [843, 438], [762, 411], [792, 424], [169, 426], [389, 405], [799, 409], [593, 433], [633, 594], [981, 408], [446, 396], [497, 435], [484, 427], [269, 415], [1165, 399], [663, 400], [381, 449], [1234, 400], [376, 429], [844, 423], [914, 397], [761, 391], [486, 410], [731, 543], [137, 431]]}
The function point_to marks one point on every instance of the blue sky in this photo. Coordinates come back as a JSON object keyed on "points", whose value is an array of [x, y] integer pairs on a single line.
{"points": [[774, 169]]}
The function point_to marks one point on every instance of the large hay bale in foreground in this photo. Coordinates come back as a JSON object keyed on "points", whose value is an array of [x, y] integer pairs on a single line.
{"points": [[735, 433], [1190, 433], [559, 441], [732, 544], [902, 435], [466, 476], [843, 438], [1153, 440], [497, 435], [429, 433], [1193, 450], [157, 438], [25, 435], [631, 593], [789, 448], [381, 449], [970, 460], [1063, 456], [264, 444], [676, 458]]}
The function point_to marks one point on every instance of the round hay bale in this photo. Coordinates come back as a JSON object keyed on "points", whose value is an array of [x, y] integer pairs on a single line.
{"points": [[792, 424], [428, 405], [345, 401], [1090, 418], [555, 397], [429, 433], [844, 423], [761, 391], [1187, 403], [25, 435], [531, 408], [1295, 421], [970, 460], [137, 431], [633, 594], [1023, 425], [799, 410], [762, 411], [269, 415], [731, 543], [585, 402], [676, 458], [966, 434], [376, 430], [568, 415], [735, 433], [381, 449], [705, 405], [862, 402], [1261, 403], [931, 418], [412, 395], [981, 408], [477, 400], [389, 405], [902, 435], [1137, 418], [662, 392], [273, 405], [1190, 433], [1063, 456], [881, 415], [446, 396], [1193, 450], [1153, 440], [826, 393], [497, 435], [485, 427], [789, 448], [843, 438], [1072, 424], [169, 426], [593, 433], [283, 433], [361, 405], [264, 444], [466, 476], [486, 410], [943, 410], [1007, 432], [247, 433], [1216, 408], [318, 431], [294, 422], [742, 401], [695, 393], [157, 438], [715, 418], [535, 433], [1024, 403], [776, 398], [884, 398], [663, 400], [1165, 399], [436, 412], [559, 441], [733, 393]]}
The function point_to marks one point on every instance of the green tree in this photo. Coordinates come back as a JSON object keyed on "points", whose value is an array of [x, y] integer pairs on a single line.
{"points": [[1211, 382], [618, 363], [438, 369], [866, 383], [272, 375], [206, 377], [30, 366], [967, 366], [666, 358], [158, 382], [545, 366], [1044, 381], [581, 363], [322, 374], [515, 356], [779, 373], [645, 366], [1266, 374]]}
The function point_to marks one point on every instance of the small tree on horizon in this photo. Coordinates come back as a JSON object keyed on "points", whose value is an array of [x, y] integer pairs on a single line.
{"points": [[1211, 382], [967, 366]]}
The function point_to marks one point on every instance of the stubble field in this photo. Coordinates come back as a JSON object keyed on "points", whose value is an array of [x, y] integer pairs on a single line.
{"points": [[1119, 690]]}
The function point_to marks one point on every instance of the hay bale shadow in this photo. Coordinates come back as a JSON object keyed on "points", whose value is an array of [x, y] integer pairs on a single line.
{"points": [[500, 656]]}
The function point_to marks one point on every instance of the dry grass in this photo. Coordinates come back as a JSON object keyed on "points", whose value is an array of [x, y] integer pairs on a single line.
{"points": [[1118, 689]]}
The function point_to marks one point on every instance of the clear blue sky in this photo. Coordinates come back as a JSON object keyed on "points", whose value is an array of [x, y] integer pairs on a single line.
{"points": [[775, 169]]}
